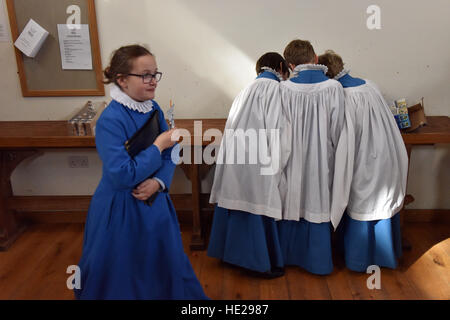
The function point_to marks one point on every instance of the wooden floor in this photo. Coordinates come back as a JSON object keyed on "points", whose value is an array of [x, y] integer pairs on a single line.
{"points": [[35, 268]]}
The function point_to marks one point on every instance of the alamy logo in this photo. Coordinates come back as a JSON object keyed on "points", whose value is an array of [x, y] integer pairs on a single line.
{"points": [[74, 281], [74, 20], [253, 147], [374, 20], [374, 281]]}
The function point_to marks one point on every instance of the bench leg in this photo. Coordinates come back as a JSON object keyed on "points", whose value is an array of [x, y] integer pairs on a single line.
{"points": [[406, 245], [10, 226], [197, 240]]}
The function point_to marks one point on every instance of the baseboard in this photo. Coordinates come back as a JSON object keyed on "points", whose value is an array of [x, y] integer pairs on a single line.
{"points": [[72, 209]]}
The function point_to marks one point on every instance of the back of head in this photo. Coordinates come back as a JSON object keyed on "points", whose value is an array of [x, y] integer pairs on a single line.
{"points": [[122, 62], [333, 61], [272, 60], [299, 52]]}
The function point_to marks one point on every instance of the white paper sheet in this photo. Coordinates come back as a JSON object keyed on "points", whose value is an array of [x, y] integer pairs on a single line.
{"points": [[75, 46], [4, 34]]}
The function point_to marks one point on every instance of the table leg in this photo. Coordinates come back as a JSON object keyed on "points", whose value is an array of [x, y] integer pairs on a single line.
{"points": [[10, 226], [195, 172], [406, 245], [197, 240]]}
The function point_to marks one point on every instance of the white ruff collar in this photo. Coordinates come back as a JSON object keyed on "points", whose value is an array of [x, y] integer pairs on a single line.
{"points": [[273, 72], [341, 74], [309, 66], [121, 97]]}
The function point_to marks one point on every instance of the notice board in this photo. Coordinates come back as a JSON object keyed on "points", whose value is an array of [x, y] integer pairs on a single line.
{"points": [[43, 75]]}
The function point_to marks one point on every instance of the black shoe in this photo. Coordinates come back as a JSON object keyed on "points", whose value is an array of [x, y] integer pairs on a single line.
{"points": [[274, 273]]}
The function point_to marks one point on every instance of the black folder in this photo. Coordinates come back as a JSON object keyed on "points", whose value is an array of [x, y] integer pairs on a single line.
{"points": [[142, 139]]}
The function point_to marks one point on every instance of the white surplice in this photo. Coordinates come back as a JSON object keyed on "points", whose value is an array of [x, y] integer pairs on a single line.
{"points": [[316, 110], [253, 186], [377, 187]]}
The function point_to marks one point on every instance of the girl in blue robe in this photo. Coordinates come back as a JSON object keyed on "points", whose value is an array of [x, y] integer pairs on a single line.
{"points": [[369, 233], [248, 204], [133, 250]]}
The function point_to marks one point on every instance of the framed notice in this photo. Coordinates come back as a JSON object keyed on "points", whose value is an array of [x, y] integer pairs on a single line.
{"points": [[68, 62]]}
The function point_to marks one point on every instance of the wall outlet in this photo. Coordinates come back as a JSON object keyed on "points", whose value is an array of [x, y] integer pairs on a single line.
{"points": [[78, 162]]}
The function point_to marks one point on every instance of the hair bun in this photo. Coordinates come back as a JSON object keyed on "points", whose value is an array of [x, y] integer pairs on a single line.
{"points": [[108, 75]]}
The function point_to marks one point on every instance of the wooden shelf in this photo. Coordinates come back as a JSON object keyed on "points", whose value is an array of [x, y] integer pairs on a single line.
{"points": [[437, 130], [54, 134], [46, 142]]}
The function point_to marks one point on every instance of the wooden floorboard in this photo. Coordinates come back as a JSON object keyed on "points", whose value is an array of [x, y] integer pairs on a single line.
{"points": [[428, 268], [35, 268]]}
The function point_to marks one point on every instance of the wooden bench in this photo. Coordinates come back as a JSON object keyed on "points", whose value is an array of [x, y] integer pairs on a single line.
{"points": [[22, 139]]}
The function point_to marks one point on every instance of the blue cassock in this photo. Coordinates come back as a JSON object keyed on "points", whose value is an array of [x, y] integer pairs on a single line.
{"points": [[132, 250], [245, 239], [366, 243], [304, 243]]}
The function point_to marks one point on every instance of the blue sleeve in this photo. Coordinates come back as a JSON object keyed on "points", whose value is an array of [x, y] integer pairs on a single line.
{"points": [[122, 170], [166, 171]]}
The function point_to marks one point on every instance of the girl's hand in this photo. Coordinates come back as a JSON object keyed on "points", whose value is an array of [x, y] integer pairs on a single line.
{"points": [[164, 140], [146, 189]]}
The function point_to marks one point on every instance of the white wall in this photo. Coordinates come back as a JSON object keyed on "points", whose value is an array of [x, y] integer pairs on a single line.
{"points": [[207, 50]]}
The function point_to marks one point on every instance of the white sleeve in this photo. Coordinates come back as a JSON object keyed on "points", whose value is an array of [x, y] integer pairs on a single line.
{"points": [[276, 118], [162, 186], [343, 168], [337, 111]]}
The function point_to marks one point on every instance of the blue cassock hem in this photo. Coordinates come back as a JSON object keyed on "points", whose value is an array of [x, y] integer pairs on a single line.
{"points": [[260, 243], [366, 243], [307, 245], [244, 239]]}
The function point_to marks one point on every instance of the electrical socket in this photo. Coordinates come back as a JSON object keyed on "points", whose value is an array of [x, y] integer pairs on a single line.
{"points": [[78, 162]]}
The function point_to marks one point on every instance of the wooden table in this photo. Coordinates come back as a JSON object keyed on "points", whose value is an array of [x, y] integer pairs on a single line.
{"points": [[21, 140], [436, 131]]}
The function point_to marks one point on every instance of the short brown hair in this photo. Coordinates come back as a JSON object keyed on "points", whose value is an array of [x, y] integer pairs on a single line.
{"points": [[273, 61], [122, 62], [299, 52], [333, 61]]}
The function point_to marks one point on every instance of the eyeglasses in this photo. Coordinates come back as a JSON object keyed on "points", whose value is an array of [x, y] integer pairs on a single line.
{"points": [[148, 77]]}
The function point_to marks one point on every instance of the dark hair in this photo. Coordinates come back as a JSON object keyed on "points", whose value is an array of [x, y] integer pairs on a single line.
{"points": [[122, 62], [299, 52], [333, 61], [272, 60]]}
